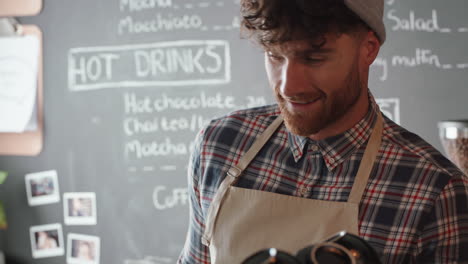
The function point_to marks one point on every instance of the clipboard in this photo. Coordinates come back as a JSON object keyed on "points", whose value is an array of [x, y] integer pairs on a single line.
{"points": [[11, 8], [28, 143]]}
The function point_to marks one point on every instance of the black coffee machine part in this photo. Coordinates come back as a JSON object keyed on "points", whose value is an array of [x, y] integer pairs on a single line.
{"points": [[342, 248], [271, 256]]}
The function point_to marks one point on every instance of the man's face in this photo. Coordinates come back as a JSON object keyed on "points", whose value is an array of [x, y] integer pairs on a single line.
{"points": [[315, 87], [84, 251]]}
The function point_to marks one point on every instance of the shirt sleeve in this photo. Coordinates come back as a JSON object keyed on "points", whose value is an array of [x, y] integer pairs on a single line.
{"points": [[444, 237], [194, 251]]}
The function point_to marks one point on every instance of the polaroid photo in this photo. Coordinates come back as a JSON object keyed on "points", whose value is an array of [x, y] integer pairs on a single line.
{"points": [[42, 188], [47, 240], [79, 208], [390, 107], [82, 249]]}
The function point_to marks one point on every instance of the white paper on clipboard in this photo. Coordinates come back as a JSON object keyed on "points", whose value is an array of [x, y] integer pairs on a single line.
{"points": [[18, 83]]}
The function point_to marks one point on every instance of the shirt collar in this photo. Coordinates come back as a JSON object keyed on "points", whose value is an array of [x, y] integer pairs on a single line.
{"points": [[339, 148]]}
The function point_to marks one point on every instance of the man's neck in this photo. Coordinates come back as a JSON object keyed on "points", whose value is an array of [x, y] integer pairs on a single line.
{"points": [[355, 114]]}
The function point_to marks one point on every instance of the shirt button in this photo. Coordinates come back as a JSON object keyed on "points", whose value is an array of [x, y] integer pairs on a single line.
{"points": [[303, 191], [331, 160], [314, 148]]}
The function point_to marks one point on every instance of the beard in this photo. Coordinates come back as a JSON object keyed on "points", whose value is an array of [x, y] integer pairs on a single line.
{"points": [[330, 107]]}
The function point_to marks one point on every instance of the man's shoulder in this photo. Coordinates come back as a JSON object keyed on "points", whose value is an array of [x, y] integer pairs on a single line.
{"points": [[255, 113], [411, 147], [224, 139], [244, 122]]}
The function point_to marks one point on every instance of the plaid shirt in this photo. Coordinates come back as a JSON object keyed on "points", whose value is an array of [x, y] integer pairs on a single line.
{"points": [[414, 208]]}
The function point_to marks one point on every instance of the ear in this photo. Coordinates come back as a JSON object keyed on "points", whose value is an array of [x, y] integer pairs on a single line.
{"points": [[370, 47]]}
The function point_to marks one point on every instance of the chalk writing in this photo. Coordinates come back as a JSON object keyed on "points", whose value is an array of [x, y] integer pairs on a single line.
{"points": [[142, 117], [164, 147], [164, 199], [413, 23], [140, 121], [138, 5], [158, 61], [133, 125], [162, 22], [148, 168], [168, 168], [144, 104], [421, 57], [95, 67], [178, 63], [152, 168], [253, 101], [142, 5], [137, 106], [236, 22]]}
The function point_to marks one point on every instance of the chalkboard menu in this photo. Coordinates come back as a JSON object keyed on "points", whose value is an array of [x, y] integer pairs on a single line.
{"points": [[129, 83]]}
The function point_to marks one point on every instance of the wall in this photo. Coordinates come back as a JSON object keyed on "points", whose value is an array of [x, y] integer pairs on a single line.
{"points": [[129, 83]]}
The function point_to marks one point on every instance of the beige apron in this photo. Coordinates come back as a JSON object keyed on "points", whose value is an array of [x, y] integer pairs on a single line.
{"points": [[241, 221]]}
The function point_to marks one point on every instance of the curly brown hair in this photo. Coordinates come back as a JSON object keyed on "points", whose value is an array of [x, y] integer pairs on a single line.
{"points": [[270, 22]]}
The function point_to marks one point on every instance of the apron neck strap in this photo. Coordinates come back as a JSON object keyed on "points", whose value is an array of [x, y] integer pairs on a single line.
{"points": [[245, 160], [234, 173], [367, 162], [365, 168]]}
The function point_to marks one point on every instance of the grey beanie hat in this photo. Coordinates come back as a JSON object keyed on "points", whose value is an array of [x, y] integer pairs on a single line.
{"points": [[371, 12]]}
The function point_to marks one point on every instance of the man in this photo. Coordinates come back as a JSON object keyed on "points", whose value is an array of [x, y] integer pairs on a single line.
{"points": [[46, 240], [83, 250], [334, 163]]}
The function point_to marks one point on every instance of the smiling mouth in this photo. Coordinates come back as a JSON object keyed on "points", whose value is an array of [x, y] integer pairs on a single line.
{"points": [[304, 103]]}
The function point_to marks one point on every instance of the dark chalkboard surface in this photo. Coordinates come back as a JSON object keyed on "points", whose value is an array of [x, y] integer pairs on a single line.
{"points": [[128, 84]]}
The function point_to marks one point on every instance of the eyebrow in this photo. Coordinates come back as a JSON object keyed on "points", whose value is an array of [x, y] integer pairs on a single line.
{"points": [[320, 51], [307, 51]]}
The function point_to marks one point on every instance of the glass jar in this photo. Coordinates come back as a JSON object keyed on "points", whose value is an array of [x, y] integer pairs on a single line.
{"points": [[454, 137]]}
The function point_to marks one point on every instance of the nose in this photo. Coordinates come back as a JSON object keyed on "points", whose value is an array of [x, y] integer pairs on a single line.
{"points": [[293, 79]]}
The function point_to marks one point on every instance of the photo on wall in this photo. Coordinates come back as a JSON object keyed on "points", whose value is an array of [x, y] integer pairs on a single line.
{"points": [[82, 249], [390, 107], [47, 240], [42, 188], [79, 208]]}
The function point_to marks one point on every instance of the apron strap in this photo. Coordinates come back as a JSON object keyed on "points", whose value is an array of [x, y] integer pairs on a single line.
{"points": [[367, 162], [245, 160], [233, 174], [218, 199]]}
